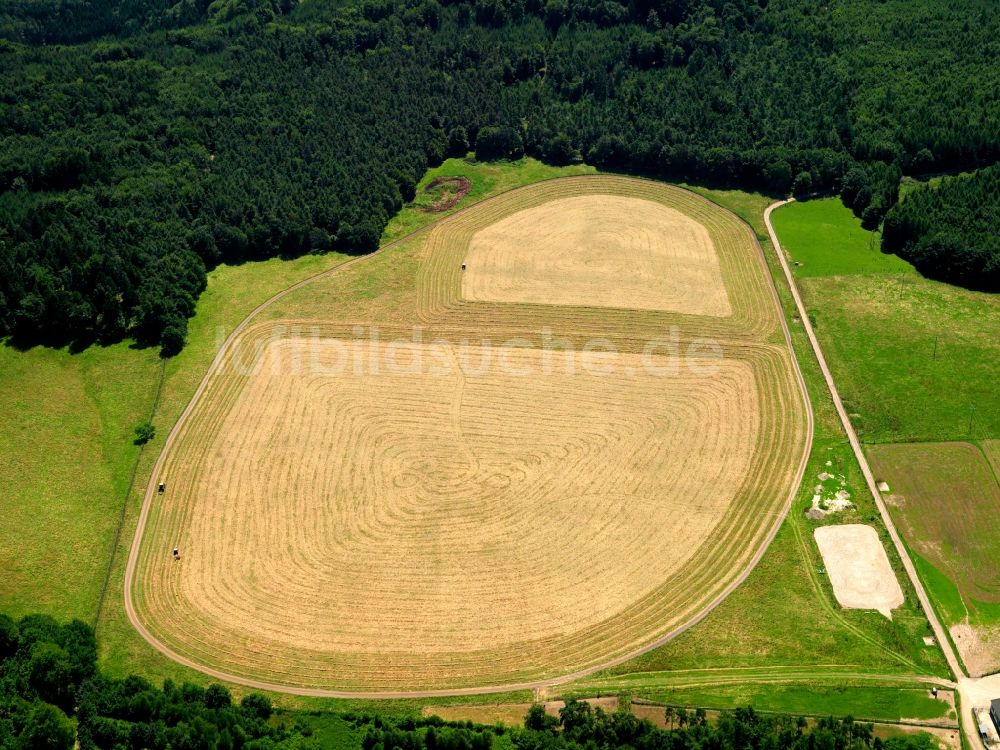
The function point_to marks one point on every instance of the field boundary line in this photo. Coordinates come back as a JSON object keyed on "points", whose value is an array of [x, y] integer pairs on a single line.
{"points": [[150, 495], [128, 494], [807, 676]]}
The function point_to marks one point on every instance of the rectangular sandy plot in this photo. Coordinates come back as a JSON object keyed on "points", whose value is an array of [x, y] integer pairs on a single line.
{"points": [[598, 251], [858, 567]]}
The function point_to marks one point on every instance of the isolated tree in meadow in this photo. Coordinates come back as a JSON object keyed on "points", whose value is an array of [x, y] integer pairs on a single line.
{"points": [[144, 432], [173, 338]]}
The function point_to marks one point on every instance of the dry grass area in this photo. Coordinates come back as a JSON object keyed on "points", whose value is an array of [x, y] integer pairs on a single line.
{"points": [[357, 514], [946, 499], [991, 448], [578, 251], [859, 568]]}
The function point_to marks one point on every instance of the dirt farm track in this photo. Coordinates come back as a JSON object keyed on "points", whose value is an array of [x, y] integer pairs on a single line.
{"points": [[537, 438]]}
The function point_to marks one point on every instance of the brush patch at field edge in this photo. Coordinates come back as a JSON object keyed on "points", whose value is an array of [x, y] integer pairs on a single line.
{"points": [[859, 568]]}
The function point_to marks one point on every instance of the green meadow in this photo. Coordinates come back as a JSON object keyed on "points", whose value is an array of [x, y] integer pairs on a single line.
{"points": [[914, 359]]}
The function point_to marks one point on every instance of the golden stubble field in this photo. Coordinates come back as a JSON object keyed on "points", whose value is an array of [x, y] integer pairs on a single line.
{"points": [[578, 251], [399, 478]]}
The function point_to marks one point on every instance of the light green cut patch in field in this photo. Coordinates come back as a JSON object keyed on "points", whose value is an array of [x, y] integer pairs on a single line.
{"points": [[942, 590], [823, 238]]}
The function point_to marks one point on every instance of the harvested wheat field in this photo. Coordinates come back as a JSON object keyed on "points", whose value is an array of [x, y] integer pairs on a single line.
{"points": [[365, 507], [578, 251]]}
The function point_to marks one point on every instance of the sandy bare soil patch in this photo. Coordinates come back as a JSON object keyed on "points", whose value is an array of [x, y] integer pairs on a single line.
{"points": [[979, 647], [858, 567], [598, 251]]}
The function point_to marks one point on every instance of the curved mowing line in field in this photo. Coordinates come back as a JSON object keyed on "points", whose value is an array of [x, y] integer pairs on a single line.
{"points": [[224, 637], [439, 282]]}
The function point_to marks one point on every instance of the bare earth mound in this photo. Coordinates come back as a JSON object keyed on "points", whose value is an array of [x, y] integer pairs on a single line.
{"points": [[472, 508], [598, 251], [858, 567]]}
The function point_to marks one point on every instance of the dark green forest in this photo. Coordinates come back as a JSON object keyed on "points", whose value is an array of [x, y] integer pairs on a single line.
{"points": [[145, 141], [581, 727], [52, 695], [951, 231]]}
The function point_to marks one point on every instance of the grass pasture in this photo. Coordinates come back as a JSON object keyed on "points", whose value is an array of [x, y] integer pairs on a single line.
{"points": [[945, 498], [863, 702], [67, 452], [914, 359], [824, 238], [376, 554]]}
